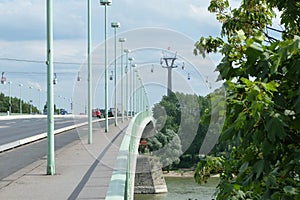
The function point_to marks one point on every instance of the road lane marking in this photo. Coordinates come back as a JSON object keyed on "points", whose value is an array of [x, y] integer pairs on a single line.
{"points": [[8, 123]]}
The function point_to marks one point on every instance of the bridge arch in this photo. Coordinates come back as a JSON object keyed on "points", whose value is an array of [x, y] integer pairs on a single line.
{"points": [[122, 181]]}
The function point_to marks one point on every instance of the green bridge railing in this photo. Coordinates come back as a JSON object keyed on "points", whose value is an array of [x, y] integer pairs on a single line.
{"points": [[122, 181]]}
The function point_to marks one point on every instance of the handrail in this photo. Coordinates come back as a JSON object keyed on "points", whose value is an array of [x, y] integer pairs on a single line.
{"points": [[122, 181]]}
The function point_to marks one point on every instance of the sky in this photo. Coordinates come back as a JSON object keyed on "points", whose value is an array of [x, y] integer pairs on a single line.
{"points": [[153, 29]]}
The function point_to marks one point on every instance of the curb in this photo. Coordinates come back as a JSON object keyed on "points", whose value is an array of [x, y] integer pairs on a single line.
{"points": [[30, 139]]}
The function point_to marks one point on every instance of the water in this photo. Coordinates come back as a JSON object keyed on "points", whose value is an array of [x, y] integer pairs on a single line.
{"points": [[183, 188]]}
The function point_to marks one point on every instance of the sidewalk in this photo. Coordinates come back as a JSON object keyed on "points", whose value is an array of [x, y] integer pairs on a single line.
{"points": [[83, 171]]}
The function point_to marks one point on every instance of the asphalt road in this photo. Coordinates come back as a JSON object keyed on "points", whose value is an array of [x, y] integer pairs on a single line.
{"points": [[18, 158], [15, 129]]}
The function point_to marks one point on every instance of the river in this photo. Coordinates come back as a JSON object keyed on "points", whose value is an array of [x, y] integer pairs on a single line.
{"points": [[184, 188]]}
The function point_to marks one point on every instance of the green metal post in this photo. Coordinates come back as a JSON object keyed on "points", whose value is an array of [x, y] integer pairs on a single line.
{"points": [[40, 99], [133, 91], [30, 100], [90, 125], [131, 85], [21, 98], [122, 84], [127, 84], [141, 94], [143, 99], [9, 101], [116, 105], [115, 25], [50, 98], [130, 91], [137, 95], [106, 70], [121, 40]]}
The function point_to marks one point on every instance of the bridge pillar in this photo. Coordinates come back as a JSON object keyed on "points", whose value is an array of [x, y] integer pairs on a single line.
{"points": [[149, 176]]}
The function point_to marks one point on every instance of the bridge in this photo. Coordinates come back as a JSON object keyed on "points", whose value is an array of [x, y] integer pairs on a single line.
{"points": [[102, 170]]}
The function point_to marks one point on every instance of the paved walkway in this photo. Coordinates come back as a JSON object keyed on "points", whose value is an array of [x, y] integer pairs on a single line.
{"points": [[83, 171]]}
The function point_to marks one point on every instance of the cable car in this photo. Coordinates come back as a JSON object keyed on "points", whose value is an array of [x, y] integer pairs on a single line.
{"points": [[78, 77], [3, 79], [161, 61], [55, 79], [111, 76], [152, 69], [189, 76], [182, 66]]}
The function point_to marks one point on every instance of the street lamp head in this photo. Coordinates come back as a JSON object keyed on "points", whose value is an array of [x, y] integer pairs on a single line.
{"points": [[134, 65], [131, 59], [122, 40], [115, 24], [105, 2], [126, 51], [20, 84]]}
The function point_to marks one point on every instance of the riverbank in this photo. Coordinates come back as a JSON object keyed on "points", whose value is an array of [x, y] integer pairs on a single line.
{"points": [[184, 173], [179, 173]]}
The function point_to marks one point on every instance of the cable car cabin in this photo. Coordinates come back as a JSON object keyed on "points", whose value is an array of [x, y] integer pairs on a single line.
{"points": [[111, 76], [189, 76], [55, 79], [78, 77], [3, 79]]}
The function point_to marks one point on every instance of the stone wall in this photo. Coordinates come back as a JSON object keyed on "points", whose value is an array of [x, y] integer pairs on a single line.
{"points": [[149, 177]]}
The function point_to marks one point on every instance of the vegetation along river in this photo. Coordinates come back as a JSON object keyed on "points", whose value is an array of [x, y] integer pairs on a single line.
{"points": [[184, 188]]}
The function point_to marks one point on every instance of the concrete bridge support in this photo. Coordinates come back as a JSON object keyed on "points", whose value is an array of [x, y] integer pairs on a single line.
{"points": [[149, 177]]}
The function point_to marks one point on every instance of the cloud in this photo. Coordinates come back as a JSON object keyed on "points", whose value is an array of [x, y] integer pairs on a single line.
{"points": [[23, 31], [26, 19], [189, 17]]}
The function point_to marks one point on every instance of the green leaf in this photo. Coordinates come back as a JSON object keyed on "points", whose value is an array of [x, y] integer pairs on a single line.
{"points": [[241, 35], [267, 148], [259, 37], [227, 188], [272, 86], [271, 181], [256, 47], [290, 190], [258, 168], [297, 104], [296, 124], [246, 81], [236, 187], [275, 129], [244, 167]]}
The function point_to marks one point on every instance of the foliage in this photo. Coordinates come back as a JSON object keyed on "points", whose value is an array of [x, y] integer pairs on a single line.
{"points": [[168, 113], [261, 75], [206, 167], [180, 113], [15, 105], [167, 146]]}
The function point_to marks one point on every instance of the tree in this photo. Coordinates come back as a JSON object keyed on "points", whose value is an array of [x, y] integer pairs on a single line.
{"points": [[167, 146], [167, 112], [15, 105], [261, 74], [180, 113]]}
